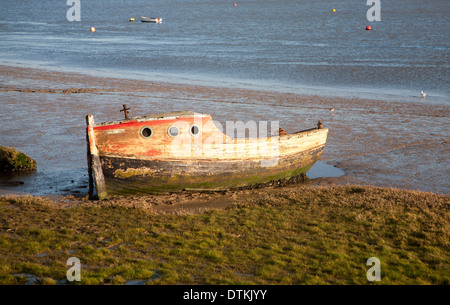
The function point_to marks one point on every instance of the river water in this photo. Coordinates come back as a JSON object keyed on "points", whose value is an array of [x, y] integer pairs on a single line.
{"points": [[283, 45]]}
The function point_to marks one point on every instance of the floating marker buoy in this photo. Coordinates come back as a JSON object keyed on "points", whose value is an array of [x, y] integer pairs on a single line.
{"points": [[132, 19], [235, 4], [92, 29], [368, 28], [334, 10]]}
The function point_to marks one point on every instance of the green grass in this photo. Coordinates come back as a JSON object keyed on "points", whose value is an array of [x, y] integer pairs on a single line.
{"points": [[11, 160], [310, 235]]}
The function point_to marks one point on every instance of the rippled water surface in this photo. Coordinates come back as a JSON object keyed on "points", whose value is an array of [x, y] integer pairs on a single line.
{"points": [[291, 45]]}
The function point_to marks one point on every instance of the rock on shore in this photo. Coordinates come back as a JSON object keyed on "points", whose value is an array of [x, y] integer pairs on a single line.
{"points": [[11, 160]]}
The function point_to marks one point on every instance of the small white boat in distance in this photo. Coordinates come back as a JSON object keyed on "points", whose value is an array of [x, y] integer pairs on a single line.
{"points": [[153, 20]]}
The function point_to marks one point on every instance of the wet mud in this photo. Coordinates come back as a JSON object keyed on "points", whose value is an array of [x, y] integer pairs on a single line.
{"points": [[374, 142]]}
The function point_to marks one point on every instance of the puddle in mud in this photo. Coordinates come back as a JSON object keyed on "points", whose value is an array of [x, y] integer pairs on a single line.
{"points": [[135, 282], [323, 170], [31, 278]]}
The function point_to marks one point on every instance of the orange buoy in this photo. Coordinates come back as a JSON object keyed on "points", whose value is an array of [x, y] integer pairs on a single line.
{"points": [[368, 28], [235, 4], [92, 29]]}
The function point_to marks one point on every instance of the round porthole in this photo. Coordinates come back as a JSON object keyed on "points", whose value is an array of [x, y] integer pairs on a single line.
{"points": [[173, 131], [194, 130], [146, 132]]}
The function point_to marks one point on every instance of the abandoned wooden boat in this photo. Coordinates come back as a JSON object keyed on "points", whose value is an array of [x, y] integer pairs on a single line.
{"points": [[151, 19], [187, 151]]}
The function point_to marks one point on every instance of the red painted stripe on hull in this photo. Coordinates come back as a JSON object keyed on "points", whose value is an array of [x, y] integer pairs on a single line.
{"points": [[134, 123]]}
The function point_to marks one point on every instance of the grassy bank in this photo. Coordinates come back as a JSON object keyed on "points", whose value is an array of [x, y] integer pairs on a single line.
{"points": [[309, 235]]}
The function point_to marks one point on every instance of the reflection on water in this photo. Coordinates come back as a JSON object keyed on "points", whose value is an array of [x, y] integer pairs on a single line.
{"points": [[322, 170]]}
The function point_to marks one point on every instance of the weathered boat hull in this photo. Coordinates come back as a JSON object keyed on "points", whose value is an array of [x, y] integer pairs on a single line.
{"points": [[143, 155], [131, 176]]}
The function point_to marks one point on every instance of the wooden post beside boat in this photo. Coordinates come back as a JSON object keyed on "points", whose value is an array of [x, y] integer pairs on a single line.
{"points": [[94, 163], [89, 161]]}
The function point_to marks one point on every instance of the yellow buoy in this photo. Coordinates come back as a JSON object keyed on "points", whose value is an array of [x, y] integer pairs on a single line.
{"points": [[334, 10], [132, 19]]}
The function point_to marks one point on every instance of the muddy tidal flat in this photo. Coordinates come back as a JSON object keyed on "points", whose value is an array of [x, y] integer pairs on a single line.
{"points": [[375, 142]]}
